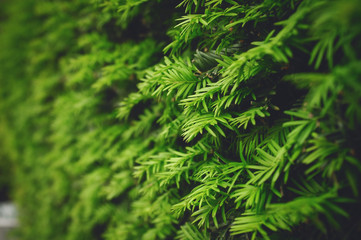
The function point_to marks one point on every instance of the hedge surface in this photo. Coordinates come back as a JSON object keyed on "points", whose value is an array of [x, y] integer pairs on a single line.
{"points": [[193, 119]]}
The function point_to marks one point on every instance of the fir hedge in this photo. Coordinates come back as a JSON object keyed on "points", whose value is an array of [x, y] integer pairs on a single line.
{"points": [[193, 119]]}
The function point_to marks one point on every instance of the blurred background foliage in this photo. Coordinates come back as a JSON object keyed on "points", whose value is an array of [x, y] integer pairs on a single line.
{"points": [[193, 119]]}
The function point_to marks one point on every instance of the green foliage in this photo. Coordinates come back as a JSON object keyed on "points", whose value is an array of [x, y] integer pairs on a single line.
{"points": [[211, 119]]}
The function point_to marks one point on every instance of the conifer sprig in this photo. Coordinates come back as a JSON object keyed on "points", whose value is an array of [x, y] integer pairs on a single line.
{"points": [[245, 126]]}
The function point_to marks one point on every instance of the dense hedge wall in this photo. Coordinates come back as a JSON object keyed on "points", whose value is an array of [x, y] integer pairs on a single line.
{"points": [[193, 119]]}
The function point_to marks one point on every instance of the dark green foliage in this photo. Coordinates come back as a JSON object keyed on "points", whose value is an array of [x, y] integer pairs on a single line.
{"points": [[247, 128]]}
